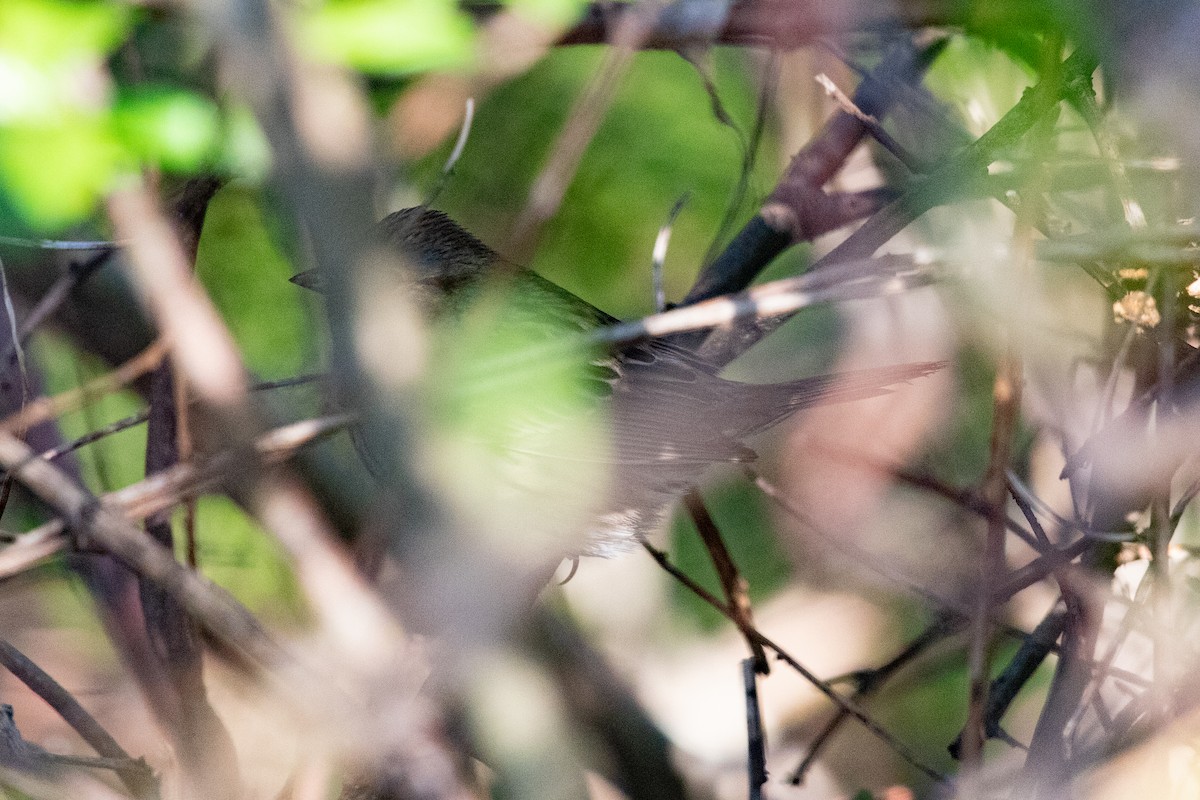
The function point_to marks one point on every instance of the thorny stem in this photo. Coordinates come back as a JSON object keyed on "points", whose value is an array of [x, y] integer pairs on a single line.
{"points": [[1006, 394], [1007, 399]]}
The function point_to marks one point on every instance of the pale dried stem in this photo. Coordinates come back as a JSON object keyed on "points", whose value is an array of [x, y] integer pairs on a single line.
{"points": [[211, 606], [44, 409], [201, 346], [165, 489], [206, 356]]}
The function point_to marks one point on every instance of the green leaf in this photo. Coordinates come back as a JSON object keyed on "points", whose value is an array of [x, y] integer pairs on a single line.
{"points": [[390, 36], [176, 129], [58, 151], [48, 31], [56, 172], [245, 151]]}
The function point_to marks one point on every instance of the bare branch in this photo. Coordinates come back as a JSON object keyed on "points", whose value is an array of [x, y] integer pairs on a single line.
{"points": [[135, 775]]}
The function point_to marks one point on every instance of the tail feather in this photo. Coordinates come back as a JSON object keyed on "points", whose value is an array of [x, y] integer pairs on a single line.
{"points": [[784, 399]]}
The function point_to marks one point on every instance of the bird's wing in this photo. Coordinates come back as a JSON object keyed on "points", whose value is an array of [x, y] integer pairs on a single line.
{"points": [[668, 407]]}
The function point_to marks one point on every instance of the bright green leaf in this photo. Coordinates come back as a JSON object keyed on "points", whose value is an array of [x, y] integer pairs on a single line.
{"points": [[390, 36], [47, 31], [177, 129], [56, 172], [245, 151]]}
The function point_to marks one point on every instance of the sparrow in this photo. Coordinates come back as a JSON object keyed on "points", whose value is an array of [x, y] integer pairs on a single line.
{"points": [[669, 414]]}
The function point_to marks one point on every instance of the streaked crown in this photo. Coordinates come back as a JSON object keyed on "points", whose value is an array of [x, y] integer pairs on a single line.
{"points": [[442, 251]]}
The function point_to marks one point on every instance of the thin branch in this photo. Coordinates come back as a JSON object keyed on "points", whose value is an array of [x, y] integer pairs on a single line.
{"points": [[47, 408], [460, 145], [1006, 395], [134, 420], [222, 616], [852, 551], [749, 145], [756, 740], [53, 299], [661, 242], [875, 277], [1016, 581], [872, 124], [1026, 508], [14, 338], [1167, 659], [203, 351], [733, 585], [799, 209], [964, 498], [1024, 663], [871, 681], [136, 776], [165, 489], [202, 744], [550, 186], [201, 347], [94, 436], [1083, 97], [781, 24], [823, 687]]}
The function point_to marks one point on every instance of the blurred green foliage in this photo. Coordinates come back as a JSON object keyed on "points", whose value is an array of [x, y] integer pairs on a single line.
{"points": [[113, 461], [658, 142], [235, 552], [232, 549], [166, 126], [241, 265], [389, 36], [58, 150], [55, 33], [68, 131], [978, 80], [550, 13]]}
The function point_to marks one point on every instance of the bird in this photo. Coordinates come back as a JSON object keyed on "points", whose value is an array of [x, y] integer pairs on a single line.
{"points": [[670, 415]]}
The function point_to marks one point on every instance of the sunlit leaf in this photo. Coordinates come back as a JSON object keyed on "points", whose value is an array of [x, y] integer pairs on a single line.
{"points": [[45, 31], [245, 151], [56, 172], [390, 36], [176, 129]]}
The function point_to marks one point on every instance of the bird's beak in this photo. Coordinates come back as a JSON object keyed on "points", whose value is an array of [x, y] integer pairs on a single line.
{"points": [[309, 279]]}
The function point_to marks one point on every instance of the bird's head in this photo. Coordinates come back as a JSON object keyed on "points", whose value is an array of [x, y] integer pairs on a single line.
{"points": [[444, 255], [442, 251]]}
